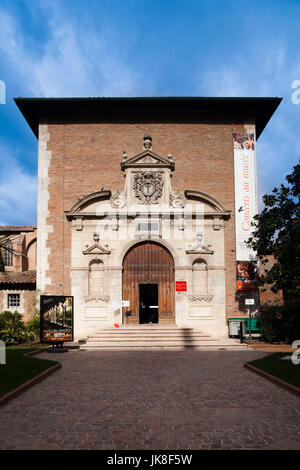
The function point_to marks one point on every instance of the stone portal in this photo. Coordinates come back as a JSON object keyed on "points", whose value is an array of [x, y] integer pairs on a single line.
{"points": [[148, 264]]}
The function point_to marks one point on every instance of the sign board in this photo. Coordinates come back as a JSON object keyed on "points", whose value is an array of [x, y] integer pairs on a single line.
{"points": [[249, 301], [57, 315], [125, 303], [181, 286], [2, 353], [245, 275]]}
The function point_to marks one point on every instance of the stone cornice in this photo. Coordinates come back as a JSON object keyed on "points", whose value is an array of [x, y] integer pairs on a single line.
{"points": [[206, 198], [173, 213], [86, 200]]}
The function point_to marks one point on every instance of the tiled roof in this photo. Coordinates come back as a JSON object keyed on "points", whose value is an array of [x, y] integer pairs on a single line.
{"points": [[26, 277], [17, 228]]}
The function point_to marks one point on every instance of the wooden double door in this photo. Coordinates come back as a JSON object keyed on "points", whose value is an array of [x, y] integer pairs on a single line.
{"points": [[149, 284]]}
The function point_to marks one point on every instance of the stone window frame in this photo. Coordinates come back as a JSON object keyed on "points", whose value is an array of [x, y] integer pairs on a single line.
{"points": [[8, 254], [16, 300], [202, 267], [101, 264], [20, 308]]}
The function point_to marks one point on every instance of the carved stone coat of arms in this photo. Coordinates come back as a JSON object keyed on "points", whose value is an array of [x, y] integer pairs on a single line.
{"points": [[148, 187]]}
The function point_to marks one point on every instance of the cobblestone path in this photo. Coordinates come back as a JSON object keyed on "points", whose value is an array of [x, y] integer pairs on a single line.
{"points": [[152, 400]]}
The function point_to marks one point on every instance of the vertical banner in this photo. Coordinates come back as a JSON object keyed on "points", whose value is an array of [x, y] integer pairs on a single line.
{"points": [[56, 318], [245, 207]]}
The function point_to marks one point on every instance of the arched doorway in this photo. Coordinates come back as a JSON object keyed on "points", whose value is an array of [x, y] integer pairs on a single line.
{"points": [[148, 284]]}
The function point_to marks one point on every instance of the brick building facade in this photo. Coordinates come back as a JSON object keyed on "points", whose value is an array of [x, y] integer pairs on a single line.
{"points": [[184, 147]]}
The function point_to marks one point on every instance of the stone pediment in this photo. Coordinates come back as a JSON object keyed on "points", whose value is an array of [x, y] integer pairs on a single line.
{"points": [[96, 249], [199, 249], [148, 159]]}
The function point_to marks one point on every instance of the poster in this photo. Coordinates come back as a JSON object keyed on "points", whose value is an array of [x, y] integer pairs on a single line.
{"points": [[245, 274], [245, 208], [56, 318]]}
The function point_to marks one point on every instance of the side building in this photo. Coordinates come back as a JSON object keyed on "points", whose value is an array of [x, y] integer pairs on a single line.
{"points": [[18, 269]]}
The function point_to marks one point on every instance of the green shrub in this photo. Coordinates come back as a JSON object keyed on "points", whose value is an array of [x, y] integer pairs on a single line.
{"points": [[280, 323], [291, 320], [270, 320], [33, 327], [12, 328]]}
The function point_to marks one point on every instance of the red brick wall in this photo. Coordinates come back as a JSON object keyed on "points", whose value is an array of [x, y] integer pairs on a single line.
{"points": [[267, 296], [29, 304], [86, 157]]}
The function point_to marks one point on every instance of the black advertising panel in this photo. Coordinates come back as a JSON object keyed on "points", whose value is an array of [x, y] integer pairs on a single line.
{"points": [[56, 318]]}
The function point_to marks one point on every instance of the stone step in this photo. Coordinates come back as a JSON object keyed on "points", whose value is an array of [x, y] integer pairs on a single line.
{"points": [[145, 342], [134, 347], [147, 327], [144, 328], [151, 338], [149, 335]]}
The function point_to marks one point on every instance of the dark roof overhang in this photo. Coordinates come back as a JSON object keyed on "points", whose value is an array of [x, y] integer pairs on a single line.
{"points": [[148, 109]]}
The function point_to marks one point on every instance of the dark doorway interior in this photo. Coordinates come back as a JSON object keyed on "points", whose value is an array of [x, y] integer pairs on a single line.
{"points": [[148, 303]]}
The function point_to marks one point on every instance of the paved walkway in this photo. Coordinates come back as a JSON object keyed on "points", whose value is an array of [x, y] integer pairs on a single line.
{"points": [[152, 400]]}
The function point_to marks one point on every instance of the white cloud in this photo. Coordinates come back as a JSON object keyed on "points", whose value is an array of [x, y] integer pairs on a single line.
{"points": [[18, 192], [73, 62], [259, 72]]}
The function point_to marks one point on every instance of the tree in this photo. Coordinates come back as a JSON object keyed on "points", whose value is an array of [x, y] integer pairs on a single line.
{"points": [[277, 232]]}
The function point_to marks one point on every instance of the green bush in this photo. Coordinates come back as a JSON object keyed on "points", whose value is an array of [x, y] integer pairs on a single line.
{"points": [[33, 327], [280, 323], [291, 320], [12, 328], [270, 320]]}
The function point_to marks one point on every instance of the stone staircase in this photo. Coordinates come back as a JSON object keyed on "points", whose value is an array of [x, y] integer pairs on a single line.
{"points": [[151, 337]]}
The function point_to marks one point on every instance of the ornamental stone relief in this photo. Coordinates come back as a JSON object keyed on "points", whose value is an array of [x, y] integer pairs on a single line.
{"points": [[199, 248], [200, 298], [148, 187], [96, 299], [177, 200], [147, 142], [118, 200]]}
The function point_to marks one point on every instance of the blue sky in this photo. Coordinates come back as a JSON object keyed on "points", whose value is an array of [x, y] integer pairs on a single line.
{"points": [[145, 48]]}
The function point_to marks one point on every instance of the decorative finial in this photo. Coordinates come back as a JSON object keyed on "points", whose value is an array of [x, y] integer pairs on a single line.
{"points": [[170, 156], [147, 142], [124, 155]]}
